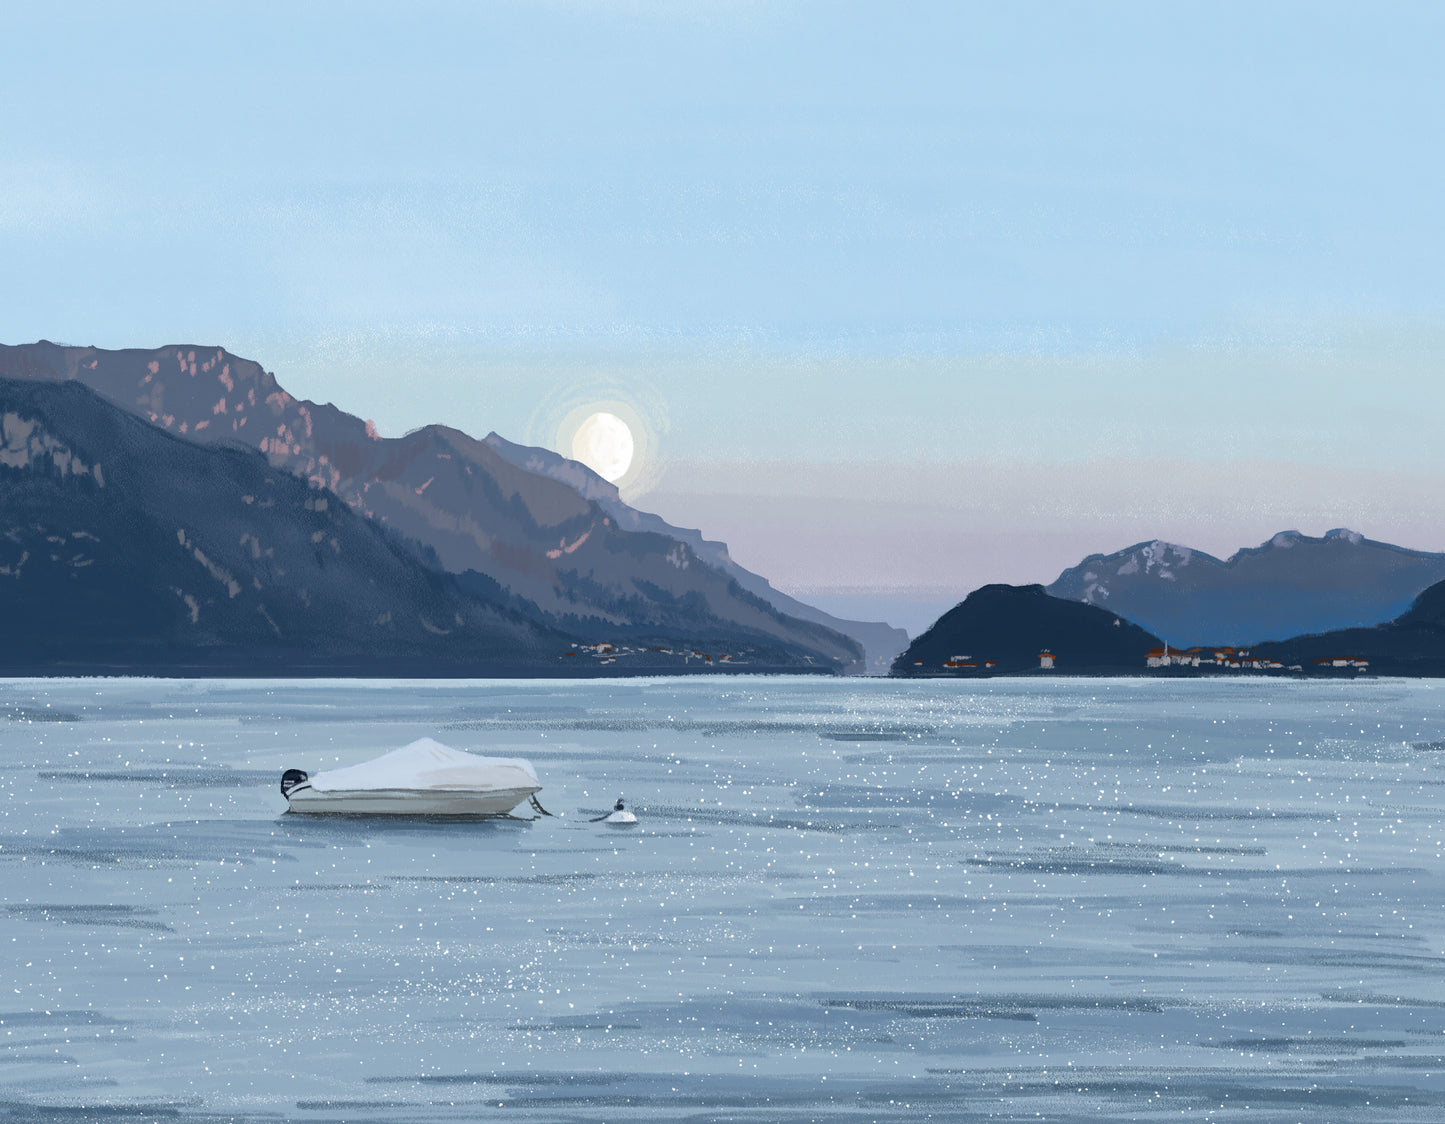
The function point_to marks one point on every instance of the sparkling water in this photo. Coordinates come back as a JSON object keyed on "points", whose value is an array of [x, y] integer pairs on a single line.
{"points": [[844, 899]]}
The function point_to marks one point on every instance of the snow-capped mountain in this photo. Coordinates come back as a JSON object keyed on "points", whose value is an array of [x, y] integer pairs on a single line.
{"points": [[1291, 585]]}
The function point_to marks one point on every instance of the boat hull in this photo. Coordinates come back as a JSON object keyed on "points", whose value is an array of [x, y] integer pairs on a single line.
{"points": [[407, 802]]}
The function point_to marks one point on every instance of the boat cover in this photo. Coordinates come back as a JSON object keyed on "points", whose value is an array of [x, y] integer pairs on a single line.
{"points": [[427, 765]]}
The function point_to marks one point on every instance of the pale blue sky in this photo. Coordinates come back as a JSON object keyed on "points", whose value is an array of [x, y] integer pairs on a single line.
{"points": [[809, 242]]}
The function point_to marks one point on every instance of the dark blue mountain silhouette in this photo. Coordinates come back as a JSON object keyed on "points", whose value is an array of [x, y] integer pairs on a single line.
{"points": [[1413, 644], [1004, 629]]}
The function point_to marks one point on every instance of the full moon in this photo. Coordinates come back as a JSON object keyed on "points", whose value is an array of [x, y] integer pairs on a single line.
{"points": [[604, 444]]}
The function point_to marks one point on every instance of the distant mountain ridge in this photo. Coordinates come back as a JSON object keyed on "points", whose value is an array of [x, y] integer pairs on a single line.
{"points": [[1023, 630], [556, 540], [1291, 585]]}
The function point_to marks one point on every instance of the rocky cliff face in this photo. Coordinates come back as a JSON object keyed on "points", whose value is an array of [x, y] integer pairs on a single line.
{"points": [[124, 549], [1290, 585], [557, 547]]}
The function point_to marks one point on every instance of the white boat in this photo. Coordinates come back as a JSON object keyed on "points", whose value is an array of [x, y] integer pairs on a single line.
{"points": [[424, 778]]}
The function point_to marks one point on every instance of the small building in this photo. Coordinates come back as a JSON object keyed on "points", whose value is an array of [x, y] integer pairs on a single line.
{"points": [[1046, 661], [1173, 657]]}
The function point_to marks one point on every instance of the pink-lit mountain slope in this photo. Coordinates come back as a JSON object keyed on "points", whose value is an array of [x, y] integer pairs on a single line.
{"points": [[523, 537]]}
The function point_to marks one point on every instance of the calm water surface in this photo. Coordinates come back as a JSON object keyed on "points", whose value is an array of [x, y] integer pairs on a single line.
{"points": [[1016, 900]]}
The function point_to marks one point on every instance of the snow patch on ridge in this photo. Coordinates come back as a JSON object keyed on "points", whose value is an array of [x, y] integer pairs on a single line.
{"points": [[233, 587], [1156, 559]]}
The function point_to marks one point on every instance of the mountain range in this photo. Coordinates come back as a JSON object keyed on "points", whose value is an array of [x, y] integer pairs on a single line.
{"points": [[125, 549], [532, 534], [1292, 585], [128, 476], [1014, 630], [1337, 604]]}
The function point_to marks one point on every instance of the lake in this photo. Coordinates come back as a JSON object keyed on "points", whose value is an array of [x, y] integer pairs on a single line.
{"points": [[845, 900]]}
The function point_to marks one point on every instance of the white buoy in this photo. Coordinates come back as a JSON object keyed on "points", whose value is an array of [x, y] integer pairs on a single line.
{"points": [[620, 815]]}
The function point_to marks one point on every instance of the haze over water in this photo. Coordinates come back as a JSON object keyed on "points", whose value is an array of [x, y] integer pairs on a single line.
{"points": [[846, 899]]}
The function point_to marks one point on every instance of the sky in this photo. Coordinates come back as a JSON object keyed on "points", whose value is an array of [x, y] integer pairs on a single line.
{"points": [[900, 299]]}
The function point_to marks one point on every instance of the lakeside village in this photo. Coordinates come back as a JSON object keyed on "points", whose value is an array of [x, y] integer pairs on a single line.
{"points": [[1224, 659], [1204, 658], [609, 653], [1239, 659]]}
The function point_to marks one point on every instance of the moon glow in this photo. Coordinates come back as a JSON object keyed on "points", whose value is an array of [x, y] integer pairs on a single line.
{"points": [[604, 444]]}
